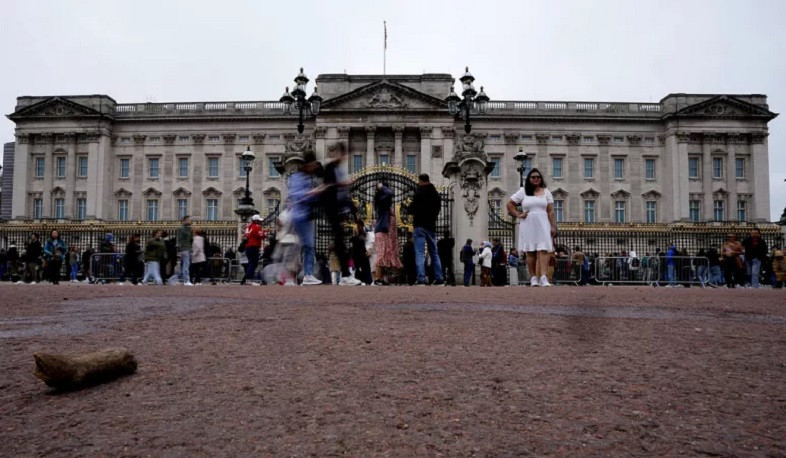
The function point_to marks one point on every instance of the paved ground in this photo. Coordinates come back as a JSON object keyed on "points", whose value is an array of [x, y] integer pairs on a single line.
{"points": [[230, 370]]}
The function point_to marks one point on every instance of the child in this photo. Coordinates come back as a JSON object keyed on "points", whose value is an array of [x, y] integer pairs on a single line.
{"points": [[334, 264], [288, 248], [73, 261]]}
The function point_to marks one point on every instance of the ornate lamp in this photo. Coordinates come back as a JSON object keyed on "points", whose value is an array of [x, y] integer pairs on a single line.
{"points": [[471, 103], [297, 99]]}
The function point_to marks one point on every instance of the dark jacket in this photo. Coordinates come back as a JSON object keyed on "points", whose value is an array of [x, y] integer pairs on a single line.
{"points": [[33, 252], [185, 238], [133, 253], [425, 207], [383, 200], [755, 249], [155, 250], [335, 198], [467, 253]]}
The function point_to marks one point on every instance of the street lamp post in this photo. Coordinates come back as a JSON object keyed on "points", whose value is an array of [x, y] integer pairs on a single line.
{"points": [[472, 102], [298, 99], [521, 158], [246, 207]]}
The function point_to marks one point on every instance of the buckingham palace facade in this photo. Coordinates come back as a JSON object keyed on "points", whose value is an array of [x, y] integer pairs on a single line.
{"points": [[690, 157]]}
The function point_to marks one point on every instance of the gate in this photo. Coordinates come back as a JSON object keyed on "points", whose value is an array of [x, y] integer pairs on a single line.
{"points": [[361, 192], [501, 228]]}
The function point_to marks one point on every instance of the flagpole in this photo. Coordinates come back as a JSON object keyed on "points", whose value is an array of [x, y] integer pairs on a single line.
{"points": [[385, 49]]}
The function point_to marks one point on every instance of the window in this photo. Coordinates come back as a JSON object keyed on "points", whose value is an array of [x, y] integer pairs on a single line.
{"points": [[559, 208], [384, 159], [739, 167], [40, 163], [694, 210], [556, 138], [272, 203], [125, 139], [527, 165], [588, 139], [271, 167], [212, 138], [412, 163], [81, 208], [495, 172], [619, 211], [717, 210], [152, 167], [742, 214], [152, 210], [182, 138], [526, 138], [693, 167], [717, 167], [556, 167], [357, 163], [60, 167], [649, 169], [650, 211], [125, 165], [496, 206], [182, 208], [243, 138], [212, 209], [619, 169], [38, 208], [649, 140], [589, 167], [182, 167], [618, 139], [241, 167], [589, 211], [122, 210], [59, 208], [81, 170], [212, 167], [154, 139]]}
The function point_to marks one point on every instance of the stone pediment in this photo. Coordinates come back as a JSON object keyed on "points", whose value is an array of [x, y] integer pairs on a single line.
{"points": [[384, 95], [561, 193], [55, 107], [725, 106], [590, 194]]}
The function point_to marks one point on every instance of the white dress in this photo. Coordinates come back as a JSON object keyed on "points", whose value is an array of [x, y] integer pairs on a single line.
{"points": [[535, 229]]}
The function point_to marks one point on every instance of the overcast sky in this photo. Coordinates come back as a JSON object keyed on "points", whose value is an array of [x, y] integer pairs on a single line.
{"points": [[176, 51]]}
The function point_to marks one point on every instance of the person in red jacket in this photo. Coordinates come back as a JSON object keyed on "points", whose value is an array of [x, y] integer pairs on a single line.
{"points": [[254, 236]]}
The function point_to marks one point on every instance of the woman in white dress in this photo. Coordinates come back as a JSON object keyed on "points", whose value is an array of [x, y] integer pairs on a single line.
{"points": [[537, 225]]}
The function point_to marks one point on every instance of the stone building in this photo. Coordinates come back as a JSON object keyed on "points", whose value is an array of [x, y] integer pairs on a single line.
{"points": [[689, 157], [7, 181]]}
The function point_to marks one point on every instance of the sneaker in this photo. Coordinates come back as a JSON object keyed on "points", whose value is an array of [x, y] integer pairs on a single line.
{"points": [[439, 283], [32, 283], [120, 283], [290, 283], [420, 283], [20, 282], [348, 281], [188, 283], [544, 281], [534, 281], [311, 280]]}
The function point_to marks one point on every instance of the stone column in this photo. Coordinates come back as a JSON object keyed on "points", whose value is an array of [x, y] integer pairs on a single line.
{"points": [[71, 171], [98, 181], [426, 159], [22, 163], [760, 165], [398, 152], [47, 140], [343, 137], [603, 177], [448, 139], [371, 132], [731, 183], [320, 148], [706, 179], [677, 159], [230, 172]]}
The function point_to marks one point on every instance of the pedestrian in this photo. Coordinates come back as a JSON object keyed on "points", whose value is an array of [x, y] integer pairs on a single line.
{"points": [[287, 249], [55, 251], [671, 268], [779, 268], [198, 257], [578, 259], [13, 260], [73, 263], [32, 258], [335, 199], [304, 198], [538, 225], [132, 261], [3, 263], [333, 264], [484, 259], [254, 236], [702, 269], [445, 247], [86, 259], [755, 254], [385, 234], [360, 254], [513, 266], [466, 256], [425, 207], [733, 265], [716, 273], [185, 241], [498, 263], [155, 257], [410, 266]]}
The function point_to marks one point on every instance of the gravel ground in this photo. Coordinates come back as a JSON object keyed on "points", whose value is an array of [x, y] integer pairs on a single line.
{"points": [[402, 371]]}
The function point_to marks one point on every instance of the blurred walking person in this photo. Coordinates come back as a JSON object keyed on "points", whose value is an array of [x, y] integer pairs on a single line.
{"points": [[185, 240], [32, 258], [335, 198], [73, 264], [253, 236], [385, 234], [755, 255], [198, 257], [484, 259], [425, 207], [155, 257], [304, 197], [466, 256], [733, 266], [55, 251]]}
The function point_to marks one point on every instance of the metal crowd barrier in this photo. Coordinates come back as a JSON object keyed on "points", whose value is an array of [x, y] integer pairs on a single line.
{"points": [[684, 271], [627, 270], [567, 271], [217, 270], [106, 267]]}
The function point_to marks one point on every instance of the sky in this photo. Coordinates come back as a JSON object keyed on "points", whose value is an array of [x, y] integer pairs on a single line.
{"points": [[229, 50]]}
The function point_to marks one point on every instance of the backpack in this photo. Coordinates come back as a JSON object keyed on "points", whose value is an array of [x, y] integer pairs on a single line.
{"points": [[635, 262], [462, 257]]}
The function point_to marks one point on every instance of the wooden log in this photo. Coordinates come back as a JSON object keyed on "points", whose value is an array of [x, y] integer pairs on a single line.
{"points": [[68, 372]]}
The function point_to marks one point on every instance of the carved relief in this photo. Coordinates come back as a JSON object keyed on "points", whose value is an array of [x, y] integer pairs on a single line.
{"points": [[714, 137], [620, 194], [169, 139], [604, 139], [112, 139], [343, 133], [57, 191], [436, 151], [757, 138], [683, 137], [211, 191], [228, 138], [272, 193], [239, 192], [89, 137], [542, 139], [44, 138], [470, 145], [448, 132], [573, 139], [471, 183], [385, 99], [297, 143], [320, 132], [560, 193], [181, 192], [139, 139], [123, 193], [258, 137], [634, 140], [652, 195], [511, 137], [590, 194], [735, 137], [23, 139], [198, 138], [151, 192], [425, 132]]}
